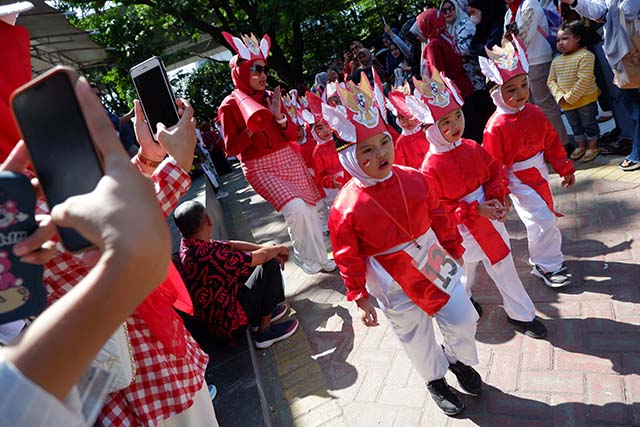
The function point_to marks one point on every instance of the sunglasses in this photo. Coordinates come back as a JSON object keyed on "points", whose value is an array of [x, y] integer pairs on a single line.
{"points": [[257, 69], [448, 9]]}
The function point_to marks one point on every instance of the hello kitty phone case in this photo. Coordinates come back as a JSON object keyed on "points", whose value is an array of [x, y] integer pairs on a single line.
{"points": [[21, 291]]}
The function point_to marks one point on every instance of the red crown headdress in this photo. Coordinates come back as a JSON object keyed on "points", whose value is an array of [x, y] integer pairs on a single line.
{"points": [[438, 94], [505, 62], [248, 47], [358, 118]]}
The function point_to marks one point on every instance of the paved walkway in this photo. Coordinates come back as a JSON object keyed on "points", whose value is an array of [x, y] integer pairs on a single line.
{"points": [[336, 372]]}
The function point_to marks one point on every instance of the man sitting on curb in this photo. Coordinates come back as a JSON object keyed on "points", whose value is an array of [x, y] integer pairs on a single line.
{"points": [[232, 283]]}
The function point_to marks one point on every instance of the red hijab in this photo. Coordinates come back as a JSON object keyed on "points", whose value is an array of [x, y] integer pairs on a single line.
{"points": [[241, 75], [432, 24]]}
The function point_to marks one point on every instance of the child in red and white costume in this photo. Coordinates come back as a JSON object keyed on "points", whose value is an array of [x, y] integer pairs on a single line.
{"points": [[258, 132], [472, 189], [388, 232], [412, 145], [328, 171], [521, 138]]}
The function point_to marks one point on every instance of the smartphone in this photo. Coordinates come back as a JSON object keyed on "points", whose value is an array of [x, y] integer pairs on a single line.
{"points": [[21, 291], [62, 152], [155, 94]]}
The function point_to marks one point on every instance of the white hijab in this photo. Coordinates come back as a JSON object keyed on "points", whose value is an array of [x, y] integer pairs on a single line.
{"points": [[501, 105], [437, 142], [317, 138], [350, 164]]}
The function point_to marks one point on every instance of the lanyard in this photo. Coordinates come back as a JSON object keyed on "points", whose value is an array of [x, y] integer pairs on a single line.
{"points": [[406, 210]]}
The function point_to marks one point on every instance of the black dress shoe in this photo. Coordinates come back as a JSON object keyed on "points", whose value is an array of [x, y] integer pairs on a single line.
{"points": [[533, 329], [444, 397], [477, 306], [468, 378]]}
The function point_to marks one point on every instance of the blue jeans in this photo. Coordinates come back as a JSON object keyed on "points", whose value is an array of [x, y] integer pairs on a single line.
{"points": [[631, 98], [583, 122], [612, 92]]}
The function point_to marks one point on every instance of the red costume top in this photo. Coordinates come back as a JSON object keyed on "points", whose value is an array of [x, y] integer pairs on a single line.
{"points": [[326, 165], [512, 138], [457, 173], [411, 149], [237, 141], [360, 228]]}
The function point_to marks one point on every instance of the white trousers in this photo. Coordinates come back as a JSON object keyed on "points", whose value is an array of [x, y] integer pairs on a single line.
{"points": [[305, 231], [515, 299], [199, 414], [543, 235], [324, 206], [414, 328]]}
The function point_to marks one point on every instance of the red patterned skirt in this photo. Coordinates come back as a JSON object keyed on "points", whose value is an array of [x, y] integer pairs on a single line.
{"points": [[280, 177]]}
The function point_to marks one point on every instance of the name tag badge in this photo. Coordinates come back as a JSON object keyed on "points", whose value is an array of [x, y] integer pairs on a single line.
{"points": [[438, 267]]}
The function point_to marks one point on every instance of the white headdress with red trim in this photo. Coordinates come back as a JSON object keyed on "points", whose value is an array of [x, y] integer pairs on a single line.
{"points": [[359, 118], [505, 62], [248, 47], [438, 94]]}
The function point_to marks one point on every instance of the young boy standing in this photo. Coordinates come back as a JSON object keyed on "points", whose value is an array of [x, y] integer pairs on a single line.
{"points": [[521, 138]]}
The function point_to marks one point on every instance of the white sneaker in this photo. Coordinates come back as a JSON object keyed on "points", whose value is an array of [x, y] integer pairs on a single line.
{"points": [[553, 279], [329, 266], [222, 194]]}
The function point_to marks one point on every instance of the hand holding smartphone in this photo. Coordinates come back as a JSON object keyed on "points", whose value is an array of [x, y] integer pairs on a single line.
{"points": [[155, 94], [62, 151]]}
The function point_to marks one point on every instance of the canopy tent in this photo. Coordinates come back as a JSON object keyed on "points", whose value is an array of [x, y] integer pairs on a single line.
{"points": [[55, 41]]}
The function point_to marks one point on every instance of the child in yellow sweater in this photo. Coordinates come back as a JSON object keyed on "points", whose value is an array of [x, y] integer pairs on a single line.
{"points": [[572, 83]]}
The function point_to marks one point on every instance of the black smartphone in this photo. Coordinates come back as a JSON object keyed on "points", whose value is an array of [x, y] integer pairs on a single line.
{"points": [[59, 143], [155, 94], [21, 291]]}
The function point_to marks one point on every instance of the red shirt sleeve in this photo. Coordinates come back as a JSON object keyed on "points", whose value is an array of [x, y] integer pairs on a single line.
{"points": [[346, 252], [554, 151]]}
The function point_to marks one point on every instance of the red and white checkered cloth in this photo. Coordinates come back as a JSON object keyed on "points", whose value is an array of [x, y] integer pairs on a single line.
{"points": [[280, 177], [164, 384]]}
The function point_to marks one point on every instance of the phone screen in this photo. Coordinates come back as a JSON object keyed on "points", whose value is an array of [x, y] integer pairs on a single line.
{"points": [[59, 144], [157, 101]]}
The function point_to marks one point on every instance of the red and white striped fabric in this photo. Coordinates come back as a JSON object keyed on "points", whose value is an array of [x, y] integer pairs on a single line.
{"points": [[164, 384], [280, 177]]}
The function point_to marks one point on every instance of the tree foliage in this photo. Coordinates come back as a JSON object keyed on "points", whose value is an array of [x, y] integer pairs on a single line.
{"points": [[306, 34], [205, 87]]}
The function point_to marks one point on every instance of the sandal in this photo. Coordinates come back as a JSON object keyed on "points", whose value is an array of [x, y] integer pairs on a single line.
{"points": [[629, 165], [621, 146], [590, 154], [577, 153]]}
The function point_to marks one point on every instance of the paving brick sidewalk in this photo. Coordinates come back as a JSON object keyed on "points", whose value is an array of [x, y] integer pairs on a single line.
{"points": [[336, 372]]}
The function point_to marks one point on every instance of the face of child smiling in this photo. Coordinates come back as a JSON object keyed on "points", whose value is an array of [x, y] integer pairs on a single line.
{"points": [[322, 130], [451, 125], [515, 92], [375, 155]]}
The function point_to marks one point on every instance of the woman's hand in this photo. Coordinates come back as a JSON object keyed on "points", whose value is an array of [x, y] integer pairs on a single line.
{"points": [[367, 312], [275, 103], [38, 247], [149, 149], [180, 140]]}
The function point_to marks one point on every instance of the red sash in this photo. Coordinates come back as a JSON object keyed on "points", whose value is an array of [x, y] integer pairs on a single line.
{"points": [[488, 238], [534, 179], [422, 292]]}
